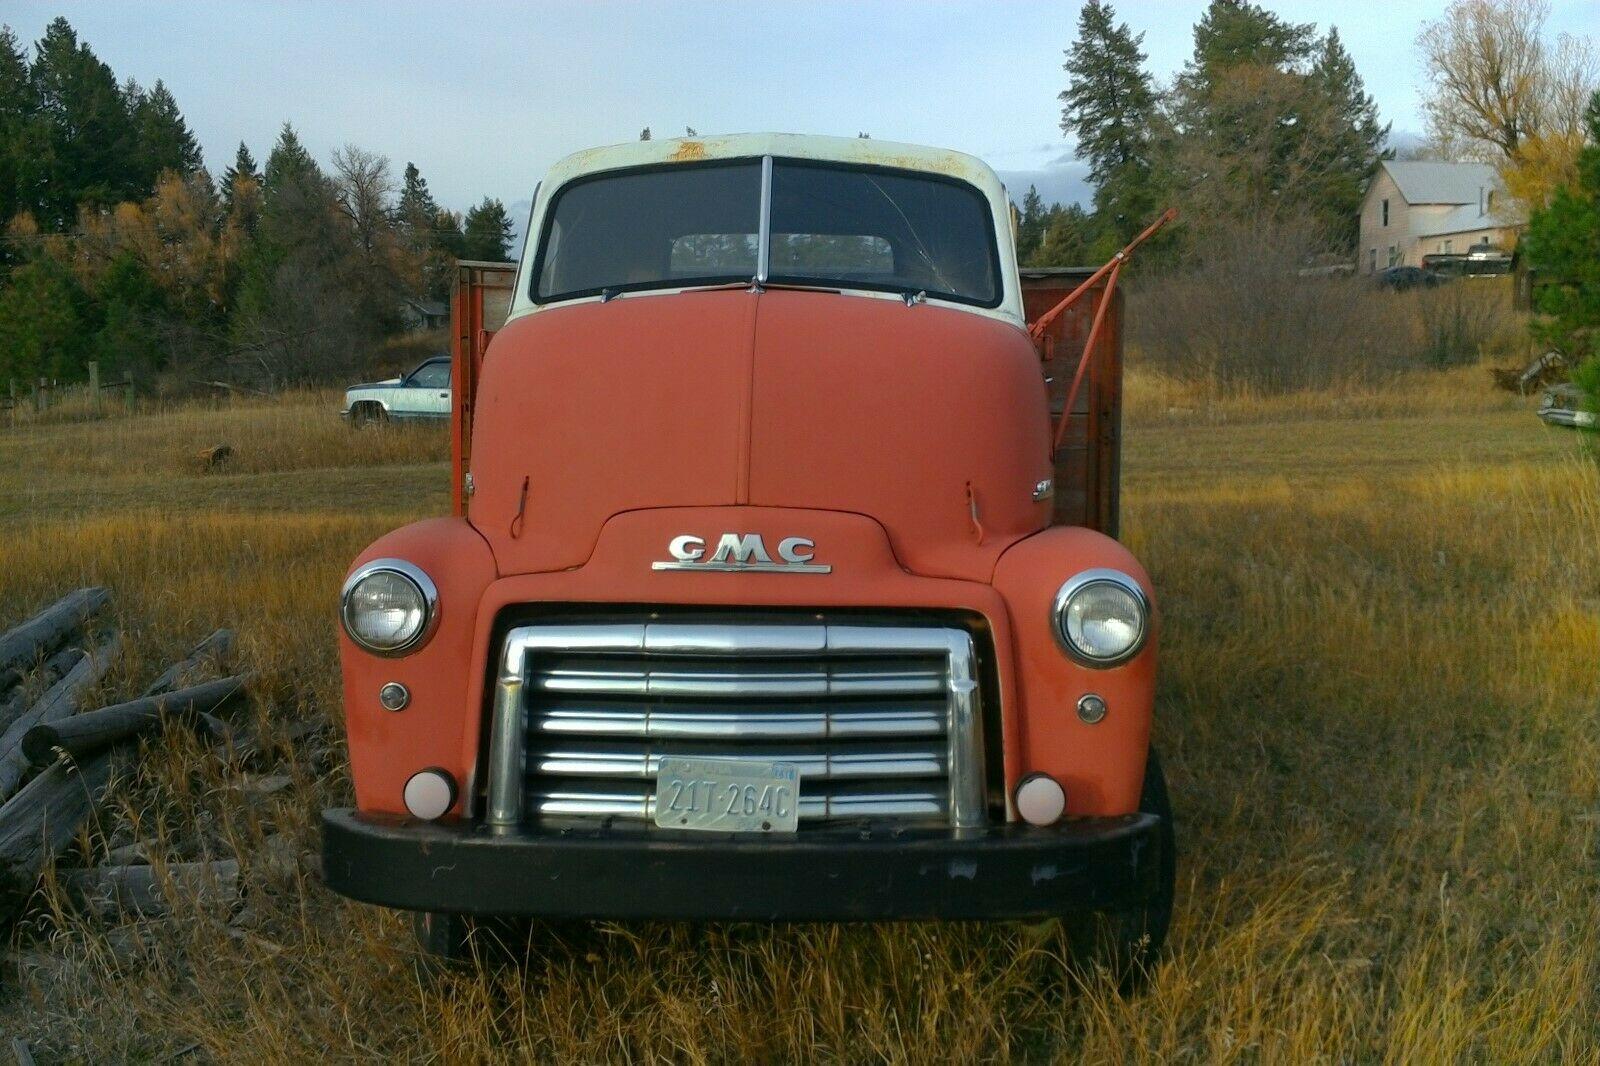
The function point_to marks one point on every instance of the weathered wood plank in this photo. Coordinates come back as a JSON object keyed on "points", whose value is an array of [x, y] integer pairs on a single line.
{"points": [[52, 671], [60, 701], [41, 820], [91, 731], [150, 890], [213, 647], [20, 646]]}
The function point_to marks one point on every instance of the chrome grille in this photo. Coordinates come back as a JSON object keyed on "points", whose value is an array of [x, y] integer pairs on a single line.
{"points": [[883, 721]]}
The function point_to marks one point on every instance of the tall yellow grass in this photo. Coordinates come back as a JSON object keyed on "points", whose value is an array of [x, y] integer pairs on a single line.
{"points": [[1377, 708]]}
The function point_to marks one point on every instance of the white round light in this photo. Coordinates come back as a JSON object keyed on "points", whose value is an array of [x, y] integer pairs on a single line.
{"points": [[389, 607], [1041, 800], [1101, 617], [429, 794]]}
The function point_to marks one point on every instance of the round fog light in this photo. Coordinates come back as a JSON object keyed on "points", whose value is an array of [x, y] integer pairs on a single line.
{"points": [[430, 793], [1040, 800]]}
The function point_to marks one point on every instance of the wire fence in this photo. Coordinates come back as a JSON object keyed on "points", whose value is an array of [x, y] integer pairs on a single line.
{"points": [[25, 400]]}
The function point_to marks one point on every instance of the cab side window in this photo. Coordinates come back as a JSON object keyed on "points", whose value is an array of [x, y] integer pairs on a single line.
{"points": [[432, 376]]}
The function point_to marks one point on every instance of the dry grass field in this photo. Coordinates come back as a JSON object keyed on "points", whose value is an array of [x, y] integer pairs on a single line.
{"points": [[1377, 710]]}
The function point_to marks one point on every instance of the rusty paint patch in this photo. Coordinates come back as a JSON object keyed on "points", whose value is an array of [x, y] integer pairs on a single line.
{"points": [[687, 152]]}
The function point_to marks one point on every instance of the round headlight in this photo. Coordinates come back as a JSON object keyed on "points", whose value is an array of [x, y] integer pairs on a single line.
{"points": [[389, 607], [1100, 617]]}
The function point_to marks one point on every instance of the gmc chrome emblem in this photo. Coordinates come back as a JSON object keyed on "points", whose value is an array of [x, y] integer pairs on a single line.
{"points": [[742, 553]]}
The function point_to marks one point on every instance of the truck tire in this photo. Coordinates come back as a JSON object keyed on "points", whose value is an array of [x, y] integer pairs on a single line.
{"points": [[368, 414], [1127, 941]]}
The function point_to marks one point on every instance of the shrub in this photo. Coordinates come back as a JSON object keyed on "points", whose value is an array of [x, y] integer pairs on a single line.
{"points": [[1242, 314], [1465, 321], [1248, 313]]}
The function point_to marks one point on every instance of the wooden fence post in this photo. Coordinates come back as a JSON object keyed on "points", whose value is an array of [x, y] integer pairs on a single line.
{"points": [[127, 393], [94, 385], [39, 396], [13, 384]]}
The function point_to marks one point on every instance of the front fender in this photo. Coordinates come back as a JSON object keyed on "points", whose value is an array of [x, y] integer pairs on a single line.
{"points": [[1101, 766], [387, 747]]}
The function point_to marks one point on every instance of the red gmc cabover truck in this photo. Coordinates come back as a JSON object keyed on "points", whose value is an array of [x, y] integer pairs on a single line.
{"points": [[773, 592]]}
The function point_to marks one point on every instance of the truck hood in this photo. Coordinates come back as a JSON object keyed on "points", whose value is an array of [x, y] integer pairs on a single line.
{"points": [[385, 383], [930, 420]]}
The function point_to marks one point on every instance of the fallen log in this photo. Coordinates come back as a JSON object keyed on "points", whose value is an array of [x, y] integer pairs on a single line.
{"points": [[91, 731], [213, 647], [53, 669], [60, 701], [41, 820], [150, 891], [20, 646]]}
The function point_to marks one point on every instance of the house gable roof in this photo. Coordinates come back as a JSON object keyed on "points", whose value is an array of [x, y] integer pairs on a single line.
{"points": [[1429, 182], [1463, 219]]}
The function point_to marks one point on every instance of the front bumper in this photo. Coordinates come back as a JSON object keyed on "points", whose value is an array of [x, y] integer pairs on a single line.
{"points": [[867, 873]]}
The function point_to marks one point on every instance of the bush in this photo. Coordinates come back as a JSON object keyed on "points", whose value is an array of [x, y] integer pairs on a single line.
{"points": [[1465, 321], [1248, 315], [1243, 316]]}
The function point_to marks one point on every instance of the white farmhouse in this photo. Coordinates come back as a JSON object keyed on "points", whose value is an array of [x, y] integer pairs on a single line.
{"points": [[1419, 208]]}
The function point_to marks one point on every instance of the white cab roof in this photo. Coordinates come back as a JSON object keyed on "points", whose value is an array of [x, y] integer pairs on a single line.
{"points": [[860, 150]]}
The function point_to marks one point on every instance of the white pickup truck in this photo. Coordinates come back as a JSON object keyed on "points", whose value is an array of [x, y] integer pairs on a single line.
{"points": [[424, 393]]}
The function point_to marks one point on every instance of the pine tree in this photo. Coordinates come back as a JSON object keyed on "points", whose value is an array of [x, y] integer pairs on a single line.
{"points": [[1108, 103], [1271, 124], [1110, 106], [17, 107], [1030, 223], [417, 209], [244, 167], [1563, 244], [163, 141], [1068, 234], [1235, 33], [1352, 142], [289, 162], [88, 133], [644, 134], [487, 233]]}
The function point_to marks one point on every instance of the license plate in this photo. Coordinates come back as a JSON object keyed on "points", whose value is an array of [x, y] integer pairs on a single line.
{"points": [[728, 795]]}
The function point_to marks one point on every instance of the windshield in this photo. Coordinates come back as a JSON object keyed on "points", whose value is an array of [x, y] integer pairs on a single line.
{"points": [[830, 226]]}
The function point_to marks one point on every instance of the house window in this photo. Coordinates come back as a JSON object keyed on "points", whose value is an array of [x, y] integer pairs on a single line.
{"points": [[1386, 212], [1489, 200], [1372, 260], [1394, 255], [1445, 247]]}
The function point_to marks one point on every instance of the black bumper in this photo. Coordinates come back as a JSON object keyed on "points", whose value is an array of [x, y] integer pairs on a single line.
{"points": [[855, 874]]}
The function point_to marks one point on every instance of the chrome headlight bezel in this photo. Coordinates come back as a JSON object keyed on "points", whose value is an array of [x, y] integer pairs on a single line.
{"points": [[426, 589], [1088, 579]]}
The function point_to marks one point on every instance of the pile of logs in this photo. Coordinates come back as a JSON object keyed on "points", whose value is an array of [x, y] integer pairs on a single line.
{"points": [[58, 755]]}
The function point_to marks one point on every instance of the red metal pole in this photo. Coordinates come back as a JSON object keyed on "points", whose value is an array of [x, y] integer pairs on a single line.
{"points": [[1037, 330], [1088, 348]]}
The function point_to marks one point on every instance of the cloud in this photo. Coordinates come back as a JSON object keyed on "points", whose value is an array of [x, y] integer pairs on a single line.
{"points": [[1065, 181]]}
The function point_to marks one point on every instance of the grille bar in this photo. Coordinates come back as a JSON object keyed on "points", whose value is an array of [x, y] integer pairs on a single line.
{"points": [[754, 723], [759, 679], [832, 763], [882, 720]]}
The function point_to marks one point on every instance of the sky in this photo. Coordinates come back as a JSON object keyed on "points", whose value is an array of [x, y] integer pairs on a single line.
{"points": [[484, 96]]}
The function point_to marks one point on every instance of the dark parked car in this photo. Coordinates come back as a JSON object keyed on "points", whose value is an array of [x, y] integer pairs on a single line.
{"points": [[1409, 277]]}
